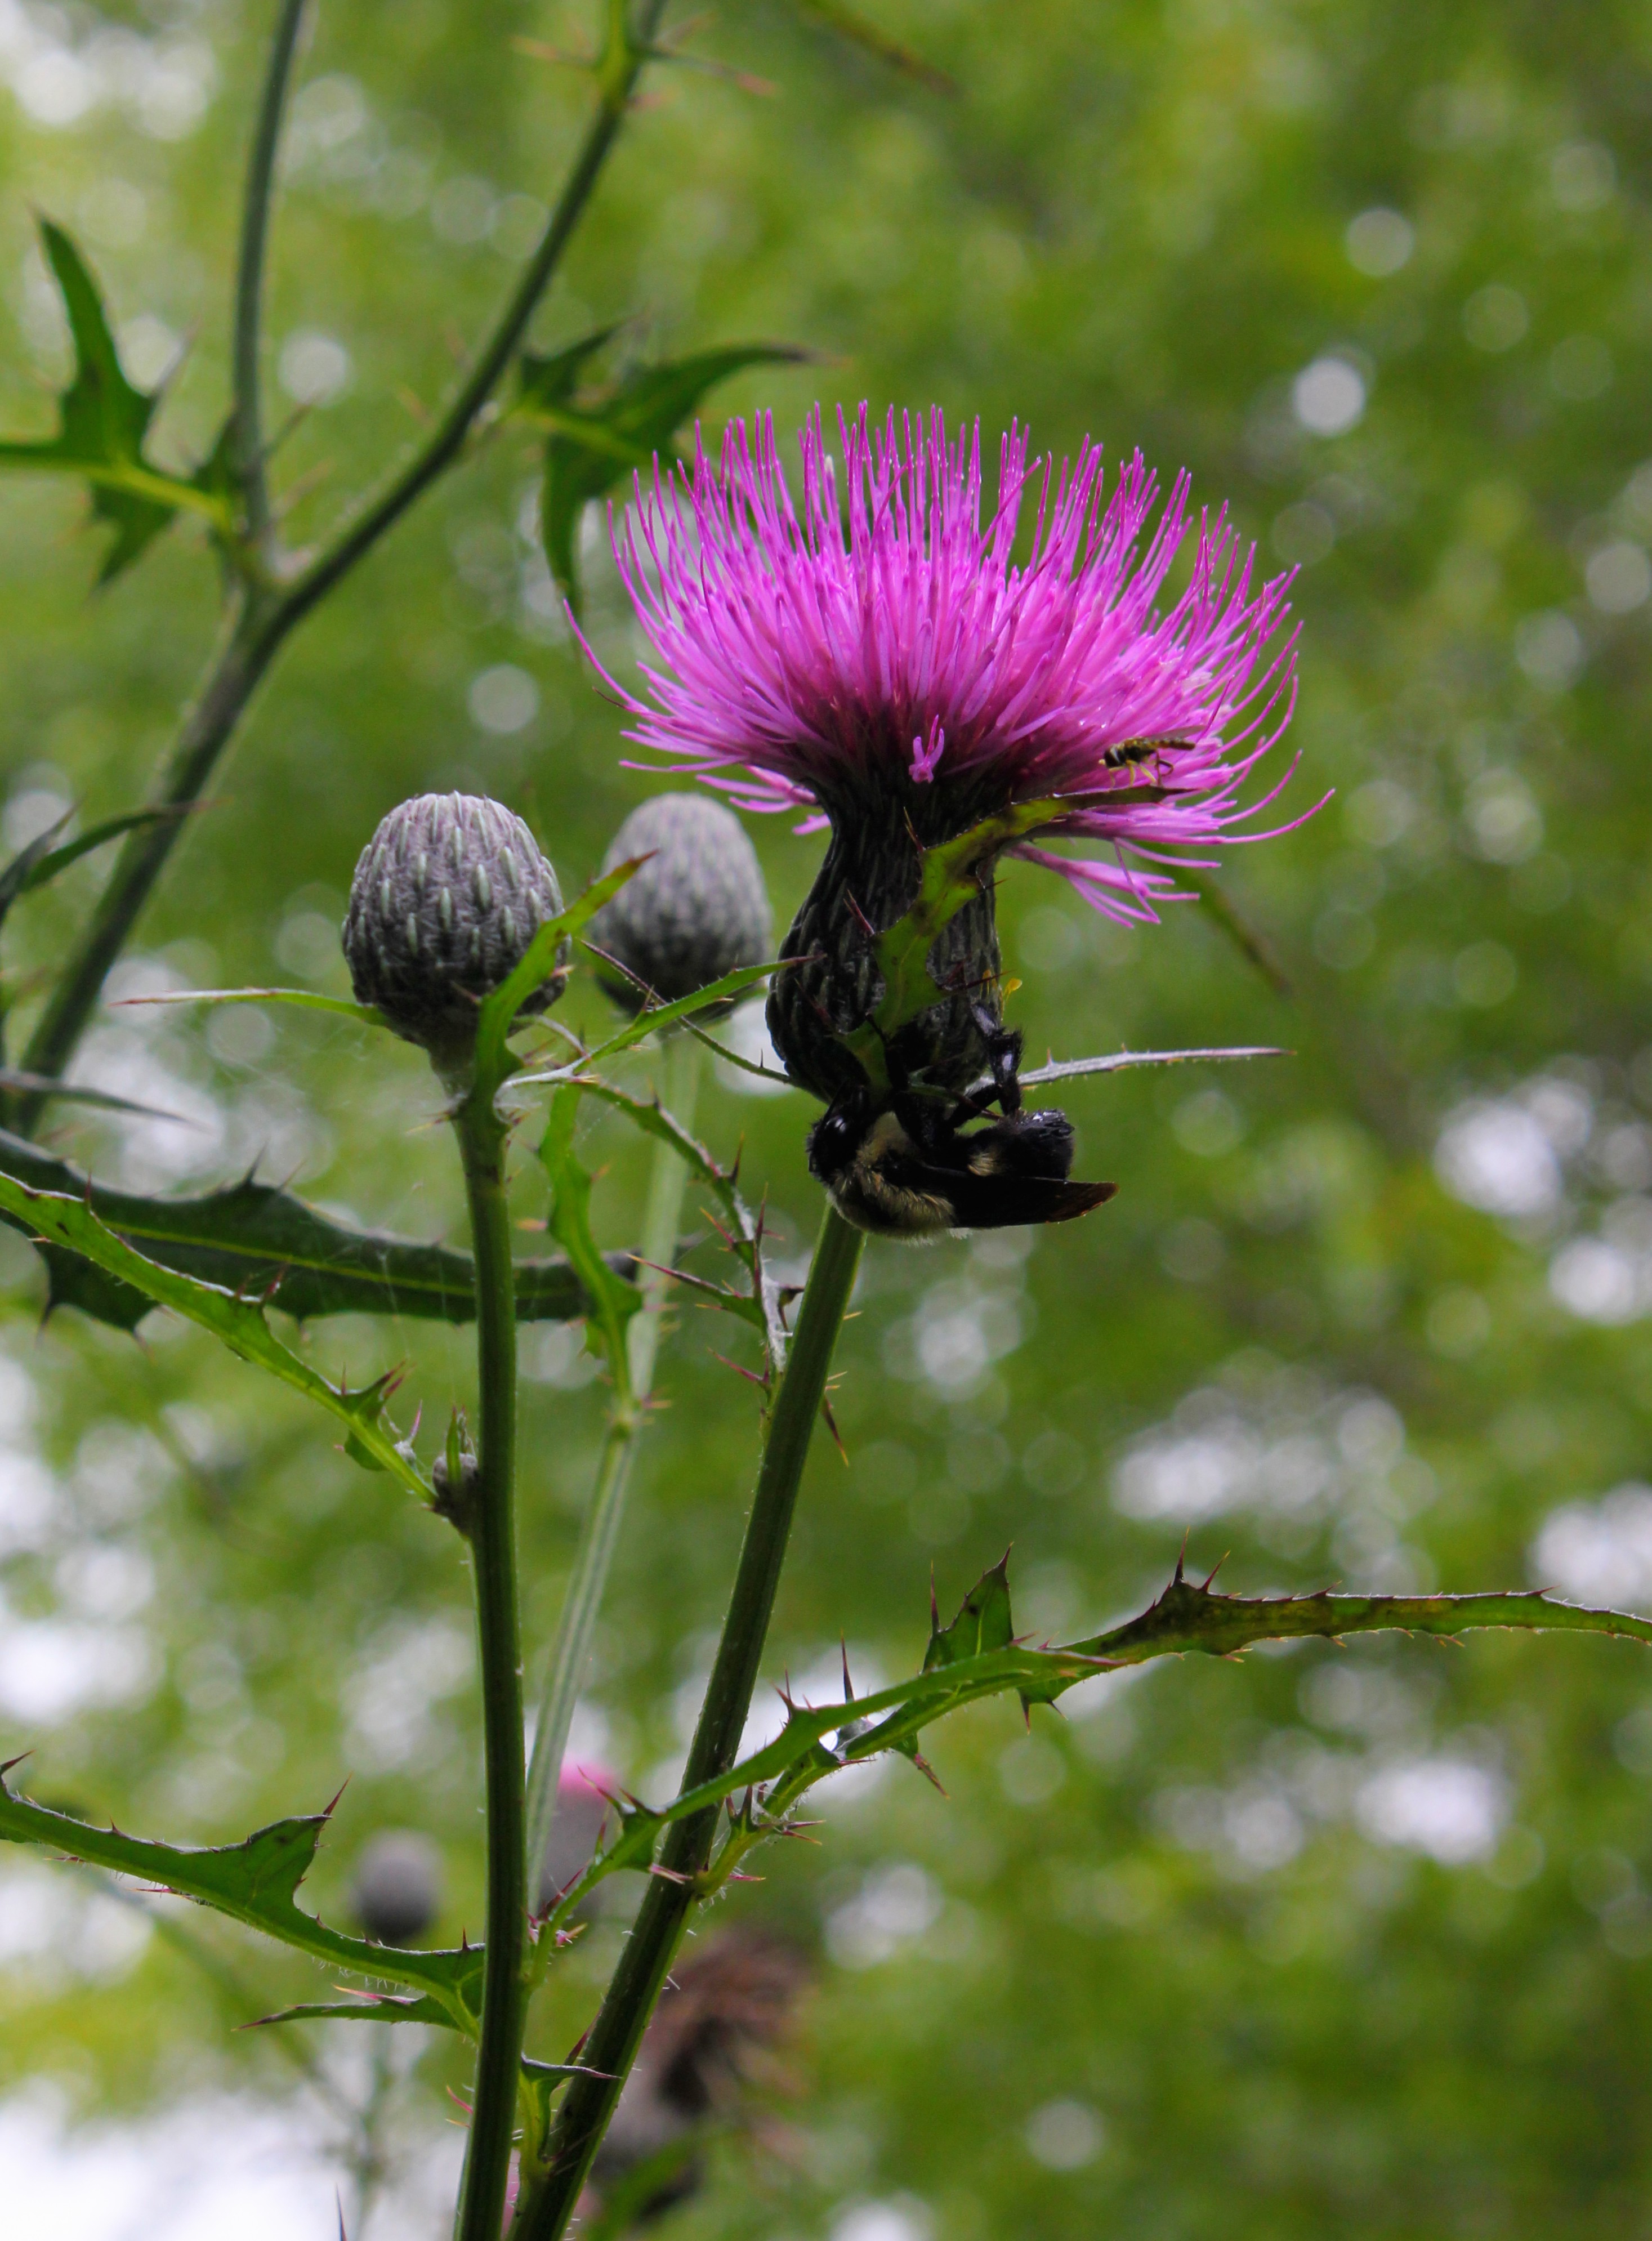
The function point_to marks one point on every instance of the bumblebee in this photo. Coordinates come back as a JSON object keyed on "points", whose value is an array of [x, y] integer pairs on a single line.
{"points": [[904, 1167]]}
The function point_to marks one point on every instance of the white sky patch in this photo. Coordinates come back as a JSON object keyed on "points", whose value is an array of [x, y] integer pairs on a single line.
{"points": [[1607, 1279], [1451, 1809], [1496, 1155], [1298, 1453], [57, 1925], [212, 2166], [1064, 2136], [960, 1329], [51, 1668], [394, 1692], [162, 84], [902, 2219], [1328, 397], [313, 367], [1378, 241], [502, 700], [1598, 1552], [894, 1905]]}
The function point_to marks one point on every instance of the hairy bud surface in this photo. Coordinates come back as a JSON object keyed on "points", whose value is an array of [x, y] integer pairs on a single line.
{"points": [[696, 910], [447, 896]]}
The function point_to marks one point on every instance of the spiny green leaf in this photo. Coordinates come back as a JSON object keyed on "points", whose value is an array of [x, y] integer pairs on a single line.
{"points": [[612, 1304], [545, 384], [590, 446], [19, 1082], [738, 1060], [1068, 1069], [254, 1882], [40, 861], [101, 423], [849, 24], [1185, 1618], [19, 873], [982, 1625], [70, 1224], [304, 1000], [263, 1242], [366, 2008]]}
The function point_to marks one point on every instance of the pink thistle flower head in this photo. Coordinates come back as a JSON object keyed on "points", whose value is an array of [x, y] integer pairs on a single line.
{"points": [[878, 656]]}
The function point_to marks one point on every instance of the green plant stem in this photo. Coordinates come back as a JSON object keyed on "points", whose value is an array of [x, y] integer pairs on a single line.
{"points": [[491, 1528], [247, 647], [551, 2193], [260, 618], [447, 439], [570, 1651], [247, 442]]}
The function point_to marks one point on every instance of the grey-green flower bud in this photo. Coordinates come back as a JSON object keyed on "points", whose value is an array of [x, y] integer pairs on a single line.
{"points": [[697, 909], [398, 1887], [447, 896]]}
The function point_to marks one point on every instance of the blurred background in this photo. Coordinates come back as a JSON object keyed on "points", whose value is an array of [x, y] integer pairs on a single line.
{"points": [[1354, 1940]]}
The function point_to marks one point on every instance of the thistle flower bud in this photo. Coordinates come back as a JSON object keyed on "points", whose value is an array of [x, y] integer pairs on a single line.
{"points": [[398, 1887], [697, 909], [867, 881], [447, 896]]}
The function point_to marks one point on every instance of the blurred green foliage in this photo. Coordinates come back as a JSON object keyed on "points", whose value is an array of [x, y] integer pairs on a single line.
{"points": [[1354, 1941]]}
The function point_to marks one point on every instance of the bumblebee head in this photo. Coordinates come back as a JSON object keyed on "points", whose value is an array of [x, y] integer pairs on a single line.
{"points": [[834, 1140]]}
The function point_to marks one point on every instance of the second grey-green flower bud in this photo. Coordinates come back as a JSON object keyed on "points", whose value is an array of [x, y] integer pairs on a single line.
{"points": [[447, 896], [698, 908]]}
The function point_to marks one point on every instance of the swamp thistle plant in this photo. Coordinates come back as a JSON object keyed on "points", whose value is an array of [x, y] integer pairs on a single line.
{"points": [[882, 652]]}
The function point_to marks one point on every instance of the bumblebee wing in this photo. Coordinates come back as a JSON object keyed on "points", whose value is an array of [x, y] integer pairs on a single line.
{"points": [[1010, 1201], [1071, 1200]]}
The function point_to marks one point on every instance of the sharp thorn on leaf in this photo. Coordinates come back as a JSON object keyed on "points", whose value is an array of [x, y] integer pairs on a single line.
{"points": [[928, 1771], [750, 1375], [1204, 1587]]}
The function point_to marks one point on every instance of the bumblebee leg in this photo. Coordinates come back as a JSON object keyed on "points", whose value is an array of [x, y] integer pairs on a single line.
{"points": [[1003, 1058]]}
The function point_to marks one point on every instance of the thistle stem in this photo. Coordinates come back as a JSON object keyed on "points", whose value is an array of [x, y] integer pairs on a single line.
{"points": [[551, 2193], [570, 1651], [491, 1528], [260, 618], [249, 278]]}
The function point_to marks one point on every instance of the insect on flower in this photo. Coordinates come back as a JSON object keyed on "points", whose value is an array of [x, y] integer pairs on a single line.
{"points": [[907, 1169], [877, 655]]}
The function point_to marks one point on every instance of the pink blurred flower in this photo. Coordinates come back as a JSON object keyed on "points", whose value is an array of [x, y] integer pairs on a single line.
{"points": [[879, 651]]}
